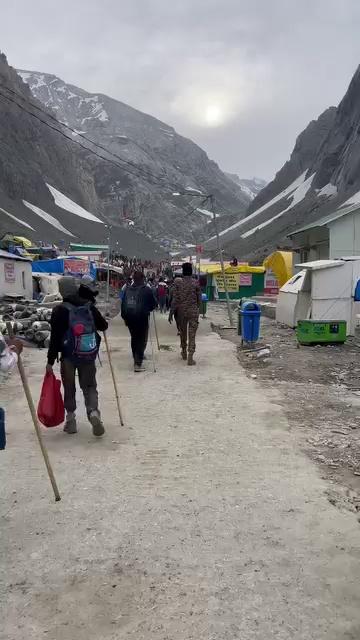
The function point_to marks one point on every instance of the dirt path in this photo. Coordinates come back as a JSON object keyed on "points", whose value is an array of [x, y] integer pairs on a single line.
{"points": [[199, 520]]}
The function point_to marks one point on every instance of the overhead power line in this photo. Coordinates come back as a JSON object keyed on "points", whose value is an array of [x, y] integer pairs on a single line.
{"points": [[125, 164], [144, 173]]}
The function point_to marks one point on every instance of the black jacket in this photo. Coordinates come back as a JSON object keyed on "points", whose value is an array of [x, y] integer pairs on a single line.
{"points": [[148, 302], [60, 324]]}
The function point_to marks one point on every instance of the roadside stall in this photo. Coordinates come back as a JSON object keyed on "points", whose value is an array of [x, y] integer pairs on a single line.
{"points": [[243, 281], [116, 274]]}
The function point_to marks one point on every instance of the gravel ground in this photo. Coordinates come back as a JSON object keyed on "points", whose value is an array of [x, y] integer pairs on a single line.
{"points": [[200, 520], [319, 390]]}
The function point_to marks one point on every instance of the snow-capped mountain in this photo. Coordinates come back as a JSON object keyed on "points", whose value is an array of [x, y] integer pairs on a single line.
{"points": [[250, 186], [47, 189], [321, 175], [155, 161]]}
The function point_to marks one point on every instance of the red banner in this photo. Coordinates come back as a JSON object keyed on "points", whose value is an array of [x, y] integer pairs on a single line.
{"points": [[76, 267], [245, 279]]}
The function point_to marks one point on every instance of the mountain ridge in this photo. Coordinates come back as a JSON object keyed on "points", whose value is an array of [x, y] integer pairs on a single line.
{"points": [[249, 186], [47, 190], [153, 146], [322, 173]]}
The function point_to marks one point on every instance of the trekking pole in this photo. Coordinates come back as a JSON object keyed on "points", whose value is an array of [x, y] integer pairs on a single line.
{"points": [[114, 380], [156, 333], [152, 348], [34, 418]]}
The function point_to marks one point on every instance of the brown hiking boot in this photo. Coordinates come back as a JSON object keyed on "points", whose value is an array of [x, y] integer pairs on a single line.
{"points": [[190, 360], [184, 354]]}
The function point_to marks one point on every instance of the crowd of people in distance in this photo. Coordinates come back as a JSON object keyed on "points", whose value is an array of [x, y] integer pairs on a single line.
{"points": [[76, 324], [180, 296]]}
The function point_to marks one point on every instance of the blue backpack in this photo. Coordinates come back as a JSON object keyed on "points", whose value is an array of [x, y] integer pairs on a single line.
{"points": [[81, 343]]}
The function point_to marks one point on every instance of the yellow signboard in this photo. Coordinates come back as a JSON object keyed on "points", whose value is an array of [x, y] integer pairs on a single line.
{"points": [[232, 282]]}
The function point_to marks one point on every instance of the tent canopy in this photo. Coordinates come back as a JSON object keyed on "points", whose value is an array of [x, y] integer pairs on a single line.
{"points": [[280, 262], [241, 268]]}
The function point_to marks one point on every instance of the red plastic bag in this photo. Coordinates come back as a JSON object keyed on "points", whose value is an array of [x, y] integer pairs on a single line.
{"points": [[51, 405]]}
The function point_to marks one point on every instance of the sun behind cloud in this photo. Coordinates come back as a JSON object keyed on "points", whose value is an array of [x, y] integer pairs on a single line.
{"points": [[214, 116]]}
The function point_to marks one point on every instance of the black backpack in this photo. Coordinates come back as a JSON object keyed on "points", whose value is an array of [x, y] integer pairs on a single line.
{"points": [[134, 302]]}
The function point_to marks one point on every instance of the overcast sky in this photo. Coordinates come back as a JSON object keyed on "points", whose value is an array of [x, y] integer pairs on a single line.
{"points": [[240, 77]]}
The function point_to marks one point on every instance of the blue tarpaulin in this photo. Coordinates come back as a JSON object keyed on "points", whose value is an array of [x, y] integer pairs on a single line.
{"points": [[58, 266], [48, 266]]}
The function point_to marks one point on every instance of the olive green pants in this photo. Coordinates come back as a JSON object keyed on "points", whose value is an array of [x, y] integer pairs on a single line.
{"points": [[188, 325]]}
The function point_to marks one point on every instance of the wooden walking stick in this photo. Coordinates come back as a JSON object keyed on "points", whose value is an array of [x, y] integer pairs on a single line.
{"points": [[156, 333], [152, 349], [114, 380], [35, 419]]}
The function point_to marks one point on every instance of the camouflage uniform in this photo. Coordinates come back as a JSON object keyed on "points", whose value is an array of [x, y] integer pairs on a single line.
{"points": [[185, 303]]}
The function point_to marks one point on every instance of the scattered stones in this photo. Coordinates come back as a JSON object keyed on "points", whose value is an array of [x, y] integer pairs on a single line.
{"points": [[263, 353]]}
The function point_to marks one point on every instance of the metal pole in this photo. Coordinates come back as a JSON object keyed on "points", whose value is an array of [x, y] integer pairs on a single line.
{"points": [[211, 198], [108, 268]]}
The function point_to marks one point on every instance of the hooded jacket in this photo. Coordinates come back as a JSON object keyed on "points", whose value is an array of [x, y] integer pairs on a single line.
{"points": [[60, 323]]}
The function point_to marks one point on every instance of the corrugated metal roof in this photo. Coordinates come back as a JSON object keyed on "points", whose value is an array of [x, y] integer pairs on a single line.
{"points": [[320, 264], [12, 256], [331, 217]]}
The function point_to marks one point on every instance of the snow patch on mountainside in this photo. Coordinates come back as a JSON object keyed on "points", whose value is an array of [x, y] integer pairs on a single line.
{"points": [[355, 199], [283, 194], [98, 110], [250, 186], [328, 190], [297, 197], [16, 219], [48, 218], [248, 192], [64, 202], [205, 212]]}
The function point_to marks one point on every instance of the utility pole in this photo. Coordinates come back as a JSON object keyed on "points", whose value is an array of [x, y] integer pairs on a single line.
{"points": [[212, 208], [109, 227], [210, 198]]}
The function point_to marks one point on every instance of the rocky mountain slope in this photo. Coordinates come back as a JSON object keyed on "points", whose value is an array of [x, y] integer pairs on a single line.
{"points": [[160, 163], [250, 186], [47, 188], [322, 173]]}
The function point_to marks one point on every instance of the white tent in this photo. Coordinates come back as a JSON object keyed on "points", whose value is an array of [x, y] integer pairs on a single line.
{"points": [[291, 304], [15, 276], [323, 290]]}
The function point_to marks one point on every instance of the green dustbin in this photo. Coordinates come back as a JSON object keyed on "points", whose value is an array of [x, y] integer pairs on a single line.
{"points": [[317, 332]]}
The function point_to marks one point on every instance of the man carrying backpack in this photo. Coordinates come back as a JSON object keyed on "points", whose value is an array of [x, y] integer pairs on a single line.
{"points": [[137, 304], [74, 326]]}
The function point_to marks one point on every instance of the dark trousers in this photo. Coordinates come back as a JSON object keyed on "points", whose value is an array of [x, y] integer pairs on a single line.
{"points": [[139, 330], [2, 430], [87, 380], [162, 303]]}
